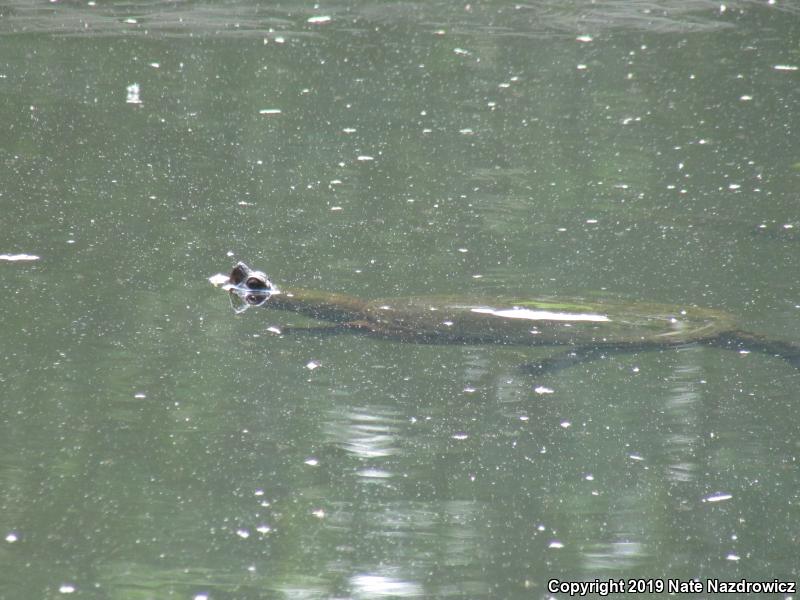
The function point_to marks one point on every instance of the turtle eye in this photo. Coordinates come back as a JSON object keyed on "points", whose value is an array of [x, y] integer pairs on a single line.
{"points": [[256, 283]]}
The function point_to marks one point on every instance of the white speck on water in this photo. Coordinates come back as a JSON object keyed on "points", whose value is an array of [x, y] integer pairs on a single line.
{"points": [[374, 473], [733, 557], [591, 221], [263, 529], [313, 364], [540, 389], [243, 533], [584, 38], [461, 51], [319, 513], [269, 111], [311, 462], [258, 492], [469, 390], [131, 21], [281, 40], [18, 257], [336, 208], [788, 226], [524, 418], [565, 424], [200, 597], [12, 537], [66, 588], [734, 186], [589, 477], [462, 250], [155, 65], [719, 497], [581, 67], [555, 544], [635, 457], [745, 98], [466, 131], [447, 323], [785, 67], [365, 158], [349, 130], [459, 436], [140, 395], [744, 352], [133, 94], [319, 19], [273, 329]]}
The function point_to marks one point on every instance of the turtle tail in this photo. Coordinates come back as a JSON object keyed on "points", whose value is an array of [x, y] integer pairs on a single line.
{"points": [[743, 341]]}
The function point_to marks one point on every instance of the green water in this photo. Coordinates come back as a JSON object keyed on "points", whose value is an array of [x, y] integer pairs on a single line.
{"points": [[155, 445]]}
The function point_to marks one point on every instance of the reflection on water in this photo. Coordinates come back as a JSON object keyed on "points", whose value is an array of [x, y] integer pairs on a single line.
{"points": [[370, 432], [379, 586], [684, 418], [242, 19]]}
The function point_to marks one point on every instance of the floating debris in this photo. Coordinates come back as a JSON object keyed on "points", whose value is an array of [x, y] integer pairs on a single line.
{"points": [[719, 497], [133, 96], [16, 257]]}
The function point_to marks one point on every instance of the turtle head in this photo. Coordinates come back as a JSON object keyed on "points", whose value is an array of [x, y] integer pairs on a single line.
{"points": [[247, 287]]}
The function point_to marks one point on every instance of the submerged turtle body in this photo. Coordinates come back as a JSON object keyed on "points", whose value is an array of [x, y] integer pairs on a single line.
{"points": [[544, 322], [576, 323]]}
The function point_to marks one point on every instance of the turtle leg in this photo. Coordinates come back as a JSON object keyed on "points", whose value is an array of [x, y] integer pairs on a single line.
{"points": [[564, 360], [583, 354], [742, 341], [326, 329]]}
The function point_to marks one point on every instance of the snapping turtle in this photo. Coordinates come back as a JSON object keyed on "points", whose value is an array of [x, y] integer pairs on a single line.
{"points": [[587, 328]]}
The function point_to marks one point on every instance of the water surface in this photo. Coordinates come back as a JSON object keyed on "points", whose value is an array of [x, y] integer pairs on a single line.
{"points": [[156, 445]]}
